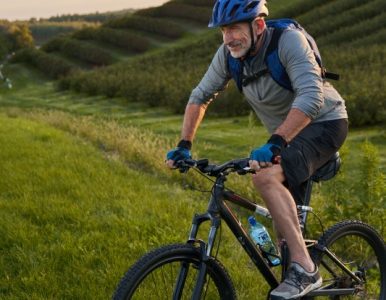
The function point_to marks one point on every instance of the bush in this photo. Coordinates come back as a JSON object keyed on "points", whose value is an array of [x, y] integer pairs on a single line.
{"points": [[158, 79], [329, 13], [207, 3], [376, 38], [297, 8], [44, 31], [119, 38], [360, 195], [167, 78], [354, 31], [152, 25], [51, 65], [5, 45], [179, 10], [79, 50], [362, 81], [352, 20]]}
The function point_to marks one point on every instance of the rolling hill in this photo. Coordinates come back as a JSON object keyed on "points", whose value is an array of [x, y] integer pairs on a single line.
{"points": [[158, 55]]}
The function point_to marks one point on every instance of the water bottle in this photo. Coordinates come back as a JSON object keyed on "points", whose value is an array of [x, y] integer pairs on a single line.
{"points": [[261, 237]]}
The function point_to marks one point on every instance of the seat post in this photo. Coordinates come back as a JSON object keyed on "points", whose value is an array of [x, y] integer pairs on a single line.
{"points": [[307, 196], [307, 199]]}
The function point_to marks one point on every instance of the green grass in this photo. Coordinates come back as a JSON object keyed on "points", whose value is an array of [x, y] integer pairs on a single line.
{"points": [[72, 220], [84, 191]]}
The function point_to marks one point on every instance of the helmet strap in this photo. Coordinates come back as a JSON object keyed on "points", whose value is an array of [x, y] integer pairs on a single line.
{"points": [[253, 42]]}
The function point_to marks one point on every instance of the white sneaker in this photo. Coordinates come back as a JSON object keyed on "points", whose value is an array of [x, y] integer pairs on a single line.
{"points": [[297, 283]]}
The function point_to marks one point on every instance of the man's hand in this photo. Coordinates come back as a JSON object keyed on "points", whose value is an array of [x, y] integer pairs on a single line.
{"points": [[181, 152], [267, 154]]}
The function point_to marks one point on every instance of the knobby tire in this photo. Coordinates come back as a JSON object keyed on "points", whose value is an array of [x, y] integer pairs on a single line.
{"points": [[154, 275]]}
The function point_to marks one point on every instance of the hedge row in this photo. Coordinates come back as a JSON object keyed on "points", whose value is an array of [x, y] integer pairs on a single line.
{"points": [[49, 64], [159, 79], [331, 10], [152, 25], [43, 33], [297, 8], [206, 3], [167, 78], [95, 17], [362, 81], [355, 31], [120, 38], [79, 50], [351, 18], [377, 38], [179, 10]]}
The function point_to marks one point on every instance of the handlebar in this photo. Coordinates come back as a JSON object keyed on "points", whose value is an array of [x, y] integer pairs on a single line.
{"points": [[241, 166]]}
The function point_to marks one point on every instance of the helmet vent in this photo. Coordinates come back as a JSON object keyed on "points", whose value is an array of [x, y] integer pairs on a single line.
{"points": [[250, 6], [234, 10], [225, 5]]}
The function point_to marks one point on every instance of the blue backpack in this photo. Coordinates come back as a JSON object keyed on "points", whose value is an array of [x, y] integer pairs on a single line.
{"points": [[274, 66]]}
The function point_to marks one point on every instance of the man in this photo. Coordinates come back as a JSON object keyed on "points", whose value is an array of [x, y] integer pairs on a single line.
{"points": [[308, 124]]}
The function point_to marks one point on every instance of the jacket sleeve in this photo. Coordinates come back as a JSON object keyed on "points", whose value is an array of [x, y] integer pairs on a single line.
{"points": [[215, 79], [304, 72]]}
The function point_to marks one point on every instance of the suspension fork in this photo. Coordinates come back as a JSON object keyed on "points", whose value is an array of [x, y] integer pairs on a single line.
{"points": [[205, 251], [205, 248]]}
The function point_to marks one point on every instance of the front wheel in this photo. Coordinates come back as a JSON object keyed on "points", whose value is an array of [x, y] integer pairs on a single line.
{"points": [[362, 251], [171, 272]]}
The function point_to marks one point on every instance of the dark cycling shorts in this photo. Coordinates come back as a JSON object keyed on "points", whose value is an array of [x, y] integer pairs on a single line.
{"points": [[309, 150]]}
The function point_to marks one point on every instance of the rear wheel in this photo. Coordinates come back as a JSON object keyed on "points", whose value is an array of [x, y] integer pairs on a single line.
{"points": [[156, 274], [362, 251]]}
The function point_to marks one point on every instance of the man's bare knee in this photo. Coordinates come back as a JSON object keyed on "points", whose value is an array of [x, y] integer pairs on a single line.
{"points": [[262, 180], [273, 175]]}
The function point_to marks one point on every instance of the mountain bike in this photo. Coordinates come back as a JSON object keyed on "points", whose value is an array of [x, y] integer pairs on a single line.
{"points": [[351, 255]]}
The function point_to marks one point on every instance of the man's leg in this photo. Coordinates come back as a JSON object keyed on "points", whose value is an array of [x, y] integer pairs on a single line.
{"points": [[279, 201], [302, 275]]}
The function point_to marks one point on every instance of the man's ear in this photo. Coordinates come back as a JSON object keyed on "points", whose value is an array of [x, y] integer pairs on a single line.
{"points": [[259, 25]]}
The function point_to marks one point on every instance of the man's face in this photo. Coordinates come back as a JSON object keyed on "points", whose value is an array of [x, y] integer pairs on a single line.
{"points": [[237, 38]]}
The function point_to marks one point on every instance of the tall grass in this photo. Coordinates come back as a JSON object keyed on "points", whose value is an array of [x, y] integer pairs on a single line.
{"points": [[81, 219], [97, 196], [72, 221]]}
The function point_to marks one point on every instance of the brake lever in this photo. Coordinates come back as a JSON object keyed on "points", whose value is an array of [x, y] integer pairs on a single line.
{"points": [[246, 170]]}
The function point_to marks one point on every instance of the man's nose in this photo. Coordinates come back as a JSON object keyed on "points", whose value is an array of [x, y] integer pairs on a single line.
{"points": [[227, 36]]}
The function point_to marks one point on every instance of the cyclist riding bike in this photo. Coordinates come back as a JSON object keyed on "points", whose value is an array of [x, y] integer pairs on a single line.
{"points": [[308, 123]]}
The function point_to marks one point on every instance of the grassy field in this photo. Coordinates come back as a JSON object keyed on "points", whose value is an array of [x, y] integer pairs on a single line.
{"points": [[83, 187], [84, 191]]}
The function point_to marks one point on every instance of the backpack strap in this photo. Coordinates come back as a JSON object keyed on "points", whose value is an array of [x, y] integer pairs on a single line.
{"points": [[248, 79], [235, 68], [274, 66], [272, 60]]}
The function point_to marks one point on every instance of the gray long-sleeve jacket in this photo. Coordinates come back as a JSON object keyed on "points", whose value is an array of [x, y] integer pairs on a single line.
{"points": [[312, 95]]}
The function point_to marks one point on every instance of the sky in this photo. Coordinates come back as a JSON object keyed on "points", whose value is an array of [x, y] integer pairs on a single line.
{"points": [[26, 9]]}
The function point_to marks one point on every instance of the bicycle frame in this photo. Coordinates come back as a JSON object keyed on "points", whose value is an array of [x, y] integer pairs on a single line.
{"points": [[217, 210]]}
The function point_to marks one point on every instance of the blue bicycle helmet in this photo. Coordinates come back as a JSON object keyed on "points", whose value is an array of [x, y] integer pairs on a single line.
{"points": [[231, 11]]}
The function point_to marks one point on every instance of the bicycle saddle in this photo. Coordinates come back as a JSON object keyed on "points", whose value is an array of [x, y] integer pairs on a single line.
{"points": [[328, 170]]}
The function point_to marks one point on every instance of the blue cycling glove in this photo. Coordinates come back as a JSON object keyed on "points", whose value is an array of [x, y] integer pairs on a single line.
{"points": [[269, 151], [181, 152]]}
